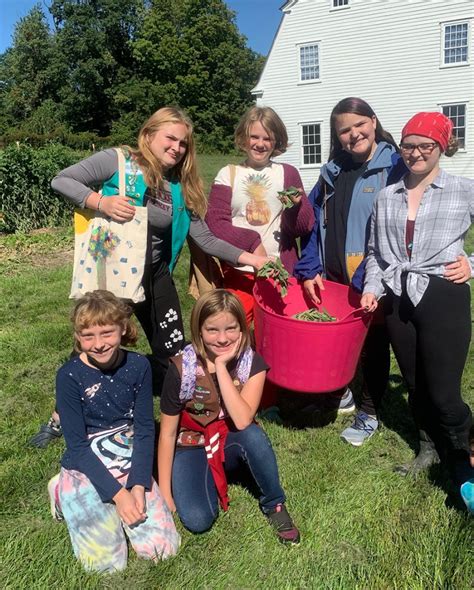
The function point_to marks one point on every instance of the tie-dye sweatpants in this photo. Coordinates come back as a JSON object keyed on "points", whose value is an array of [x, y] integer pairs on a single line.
{"points": [[96, 530]]}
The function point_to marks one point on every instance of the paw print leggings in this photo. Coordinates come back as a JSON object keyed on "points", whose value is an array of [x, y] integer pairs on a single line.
{"points": [[161, 320]]}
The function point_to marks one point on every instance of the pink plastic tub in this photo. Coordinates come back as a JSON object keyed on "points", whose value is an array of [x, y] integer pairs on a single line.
{"points": [[311, 357]]}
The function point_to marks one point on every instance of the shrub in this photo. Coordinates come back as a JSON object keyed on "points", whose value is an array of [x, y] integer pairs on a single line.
{"points": [[26, 199]]}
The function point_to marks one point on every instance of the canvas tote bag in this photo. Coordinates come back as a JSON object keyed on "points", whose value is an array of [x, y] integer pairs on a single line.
{"points": [[108, 254]]}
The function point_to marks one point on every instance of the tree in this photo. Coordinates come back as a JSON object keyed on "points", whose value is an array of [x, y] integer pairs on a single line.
{"points": [[93, 39], [192, 51], [26, 69]]}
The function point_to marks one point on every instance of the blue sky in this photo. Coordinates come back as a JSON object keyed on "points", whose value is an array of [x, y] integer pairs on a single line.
{"points": [[258, 20]]}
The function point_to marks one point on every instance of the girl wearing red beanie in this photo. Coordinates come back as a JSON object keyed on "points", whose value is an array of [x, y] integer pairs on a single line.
{"points": [[416, 259]]}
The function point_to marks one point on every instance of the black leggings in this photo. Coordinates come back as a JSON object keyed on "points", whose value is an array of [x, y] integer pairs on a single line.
{"points": [[375, 363], [431, 343], [161, 320]]}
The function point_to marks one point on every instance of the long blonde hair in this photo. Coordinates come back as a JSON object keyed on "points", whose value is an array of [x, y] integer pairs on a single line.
{"points": [[185, 172]]}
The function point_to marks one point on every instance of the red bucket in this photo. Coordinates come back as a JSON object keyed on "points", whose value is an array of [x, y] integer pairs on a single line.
{"points": [[312, 357]]}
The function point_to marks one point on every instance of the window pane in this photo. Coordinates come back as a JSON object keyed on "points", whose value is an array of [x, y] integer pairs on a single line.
{"points": [[457, 114], [309, 62], [311, 143], [456, 43]]}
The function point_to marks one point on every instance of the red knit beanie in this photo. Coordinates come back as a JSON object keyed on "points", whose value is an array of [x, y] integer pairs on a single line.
{"points": [[436, 126]]}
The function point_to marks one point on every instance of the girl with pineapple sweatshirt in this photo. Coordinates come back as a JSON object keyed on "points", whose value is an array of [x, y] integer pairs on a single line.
{"points": [[244, 209]]}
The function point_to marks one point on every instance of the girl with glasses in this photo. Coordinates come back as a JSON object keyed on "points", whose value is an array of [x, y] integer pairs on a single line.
{"points": [[418, 228]]}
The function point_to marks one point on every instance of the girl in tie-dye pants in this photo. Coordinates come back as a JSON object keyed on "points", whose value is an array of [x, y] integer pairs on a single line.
{"points": [[98, 535], [105, 490]]}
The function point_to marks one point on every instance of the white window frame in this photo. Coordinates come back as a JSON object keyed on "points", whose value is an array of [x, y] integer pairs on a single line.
{"points": [[301, 46], [464, 104], [444, 25], [302, 125]]}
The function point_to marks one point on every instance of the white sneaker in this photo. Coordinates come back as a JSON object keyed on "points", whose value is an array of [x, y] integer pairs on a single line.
{"points": [[363, 427], [346, 403]]}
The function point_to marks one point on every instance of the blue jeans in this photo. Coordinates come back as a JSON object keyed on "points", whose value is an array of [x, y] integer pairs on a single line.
{"points": [[193, 487]]}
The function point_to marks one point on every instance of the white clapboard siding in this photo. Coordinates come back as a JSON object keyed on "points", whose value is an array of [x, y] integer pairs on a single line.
{"points": [[387, 52]]}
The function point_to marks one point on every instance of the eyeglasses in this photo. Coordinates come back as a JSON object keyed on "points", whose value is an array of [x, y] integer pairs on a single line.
{"points": [[423, 148]]}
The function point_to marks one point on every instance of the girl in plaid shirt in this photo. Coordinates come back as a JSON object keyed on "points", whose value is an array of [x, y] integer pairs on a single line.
{"points": [[418, 227]]}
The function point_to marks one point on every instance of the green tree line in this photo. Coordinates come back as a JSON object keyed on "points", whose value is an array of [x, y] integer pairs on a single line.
{"points": [[106, 65]]}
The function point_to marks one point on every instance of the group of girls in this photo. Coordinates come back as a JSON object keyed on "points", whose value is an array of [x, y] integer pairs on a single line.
{"points": [[210, 393]]}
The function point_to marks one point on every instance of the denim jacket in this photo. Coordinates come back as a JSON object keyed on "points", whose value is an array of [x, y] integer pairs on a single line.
{"points": [[385, 168]]}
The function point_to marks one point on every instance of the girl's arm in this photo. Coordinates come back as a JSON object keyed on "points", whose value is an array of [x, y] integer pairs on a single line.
{"points": [[219, 219], [78, 182], [166, 447], [309, 265], [143, 429], [298, 220], [241, 406], [373, 273], [200, 233], [79, 454]]}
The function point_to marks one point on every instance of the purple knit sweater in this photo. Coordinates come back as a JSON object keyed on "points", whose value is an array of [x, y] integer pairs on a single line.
{"points": [[295, 222]]}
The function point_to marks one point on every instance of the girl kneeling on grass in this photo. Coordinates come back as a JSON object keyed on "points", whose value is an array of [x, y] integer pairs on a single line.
{"points": [[105, 487], [207, 429]]}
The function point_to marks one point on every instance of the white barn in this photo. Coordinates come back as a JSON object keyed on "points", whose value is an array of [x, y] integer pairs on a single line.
{"points": [[401, 56]]}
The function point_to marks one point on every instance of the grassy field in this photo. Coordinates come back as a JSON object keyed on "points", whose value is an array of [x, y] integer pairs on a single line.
{"points": [[362, 525]]}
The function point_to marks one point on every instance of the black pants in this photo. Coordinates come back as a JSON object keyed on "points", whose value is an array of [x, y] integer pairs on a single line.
{"points": [[375, 362], [431, 343], [161, 320]]}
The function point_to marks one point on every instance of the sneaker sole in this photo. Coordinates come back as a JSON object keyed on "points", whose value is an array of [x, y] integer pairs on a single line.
{"points": [[353, 443]]}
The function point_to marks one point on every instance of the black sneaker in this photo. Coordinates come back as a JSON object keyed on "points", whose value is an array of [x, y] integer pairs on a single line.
{"points": [[281, 521], [47, 433]]}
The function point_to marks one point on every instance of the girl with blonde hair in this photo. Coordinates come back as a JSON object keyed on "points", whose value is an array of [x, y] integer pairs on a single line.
{"points": [[161, 173]]}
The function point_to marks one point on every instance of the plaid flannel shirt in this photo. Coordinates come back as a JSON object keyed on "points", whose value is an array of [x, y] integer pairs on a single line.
{"points": [[442, 221]]}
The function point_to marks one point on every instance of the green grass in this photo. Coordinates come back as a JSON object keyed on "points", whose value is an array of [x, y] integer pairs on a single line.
{"points": [[362, 526]]}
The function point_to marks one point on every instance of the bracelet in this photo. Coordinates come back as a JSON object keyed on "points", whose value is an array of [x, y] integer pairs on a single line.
{"points": [[99, 201]]}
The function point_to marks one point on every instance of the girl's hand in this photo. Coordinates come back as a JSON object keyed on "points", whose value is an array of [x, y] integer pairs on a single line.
{"points": [[296, 200], [458, 271], [138, 493], [223, 359], [369, 302], [309, 288], [259, 261], [168, 498], [117, 208], [126, 507]]}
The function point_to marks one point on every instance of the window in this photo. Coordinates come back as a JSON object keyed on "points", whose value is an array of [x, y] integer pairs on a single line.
{"points": [[455, 43], [309, 63], [457, 114], [311, 144], [339, 3]]}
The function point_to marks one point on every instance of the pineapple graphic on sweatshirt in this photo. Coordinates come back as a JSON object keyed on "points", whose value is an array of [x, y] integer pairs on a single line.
{"points": [[257, 211]]}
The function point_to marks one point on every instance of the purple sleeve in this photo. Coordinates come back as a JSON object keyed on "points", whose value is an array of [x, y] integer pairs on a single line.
{"points": [[296, 221], [68, 403], [219, 220], [143, 432]]}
